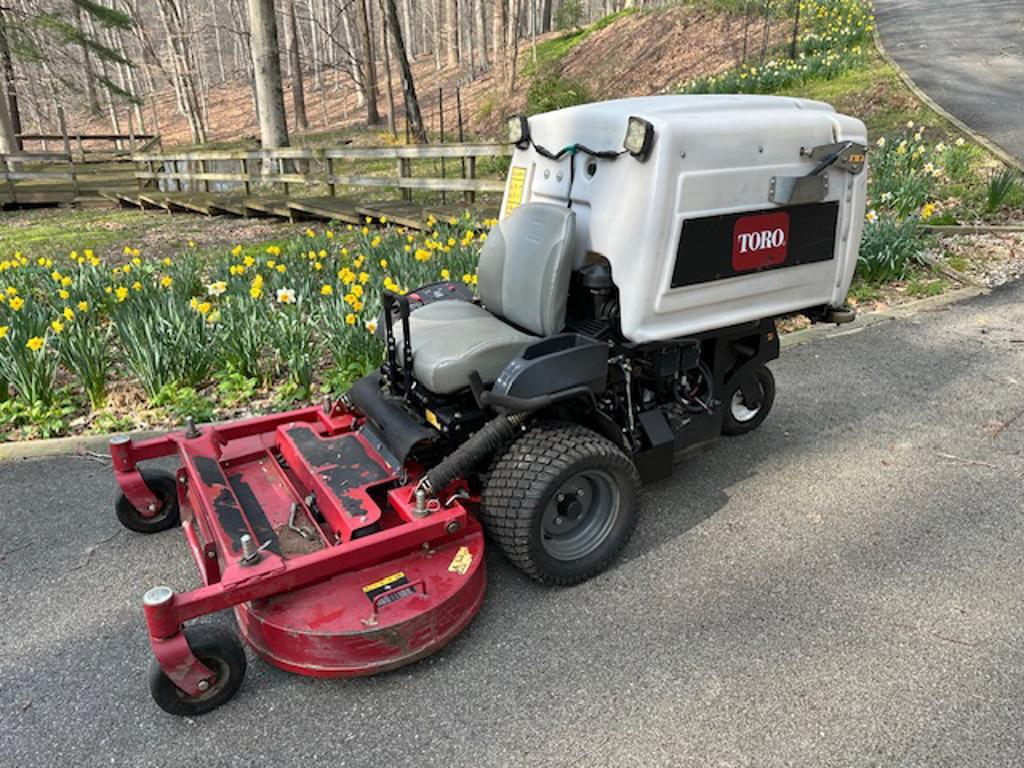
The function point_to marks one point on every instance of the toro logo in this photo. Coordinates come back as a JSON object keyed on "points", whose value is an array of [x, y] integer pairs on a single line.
{"points": [[760, 241]]}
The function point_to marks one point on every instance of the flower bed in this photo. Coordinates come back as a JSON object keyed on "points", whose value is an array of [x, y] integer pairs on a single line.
{"points": [[203, 333]]}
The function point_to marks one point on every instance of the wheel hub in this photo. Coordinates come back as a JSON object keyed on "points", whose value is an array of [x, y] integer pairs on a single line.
{"points": [[580, 515]]}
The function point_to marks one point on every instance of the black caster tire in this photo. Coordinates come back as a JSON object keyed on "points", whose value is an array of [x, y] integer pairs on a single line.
{"points": [[561, 502], [220, 650], [164, 487], [742, 417]]}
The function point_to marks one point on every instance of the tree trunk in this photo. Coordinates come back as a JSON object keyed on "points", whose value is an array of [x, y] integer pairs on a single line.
{"points": [[481, 31], [451, 31], [499, 38], [295, 66], [369, 69], [545, 15], [267, 72], [90, 75], [8, 145], [8, 84], [385, 50], [412, 105]]}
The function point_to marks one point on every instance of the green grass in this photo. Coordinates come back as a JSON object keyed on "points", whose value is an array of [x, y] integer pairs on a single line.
{"points": [[63, 230], [876, 95], [552, 51]]}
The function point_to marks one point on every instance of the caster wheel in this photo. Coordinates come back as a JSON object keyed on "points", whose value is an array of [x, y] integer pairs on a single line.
{"points": [[165, 488], [561, 503], [742, 417], [220, 650]]}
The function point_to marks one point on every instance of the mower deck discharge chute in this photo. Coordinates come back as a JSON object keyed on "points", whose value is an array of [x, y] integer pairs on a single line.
{"points": [[624, 318]]}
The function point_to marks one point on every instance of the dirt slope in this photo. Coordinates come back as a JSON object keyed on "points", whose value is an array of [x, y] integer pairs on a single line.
{"points": [[639, 54]]}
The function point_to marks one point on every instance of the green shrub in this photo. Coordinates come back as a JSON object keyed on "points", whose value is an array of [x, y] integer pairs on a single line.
{"points": [[182, 402], [889, 249], [569, 14], [1002, 184], [551, 91]]}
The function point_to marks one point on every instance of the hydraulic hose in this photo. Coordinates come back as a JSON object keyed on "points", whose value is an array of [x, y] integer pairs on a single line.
{"points": [[468, 455]]}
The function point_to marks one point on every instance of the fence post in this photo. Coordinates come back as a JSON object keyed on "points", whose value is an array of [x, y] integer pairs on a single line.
{"points": [[330, 177], [471, 172]]}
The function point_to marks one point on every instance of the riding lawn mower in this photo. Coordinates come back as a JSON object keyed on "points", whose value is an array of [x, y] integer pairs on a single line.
{"points": [[624, 317]]}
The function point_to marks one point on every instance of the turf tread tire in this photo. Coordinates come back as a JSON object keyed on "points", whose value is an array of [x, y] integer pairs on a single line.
{"points": [[522, 479]]}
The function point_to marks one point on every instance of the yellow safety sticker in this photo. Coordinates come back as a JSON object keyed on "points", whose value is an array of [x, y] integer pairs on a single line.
{"points": [[432, 419], [461, 562], [516, 185], [387, 581]]}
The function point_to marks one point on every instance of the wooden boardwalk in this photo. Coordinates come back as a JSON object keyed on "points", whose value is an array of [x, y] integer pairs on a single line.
{"points": [[346, 210], [290, 183]]}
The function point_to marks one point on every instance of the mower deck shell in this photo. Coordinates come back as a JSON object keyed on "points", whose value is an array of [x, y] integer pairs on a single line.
{"points": [[343, 575]]}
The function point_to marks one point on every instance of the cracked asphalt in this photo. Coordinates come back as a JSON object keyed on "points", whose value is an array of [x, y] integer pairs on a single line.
{"points": [[968, 55], [841, 588]]}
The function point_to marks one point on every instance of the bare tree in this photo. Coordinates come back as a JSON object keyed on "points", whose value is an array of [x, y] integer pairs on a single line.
{"points": [[369, 68], [267, 72], [412, 105], [451, 31], [295, 66]]}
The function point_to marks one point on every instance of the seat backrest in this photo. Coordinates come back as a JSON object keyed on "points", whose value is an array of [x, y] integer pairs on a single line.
{"points": [[525, 265]]}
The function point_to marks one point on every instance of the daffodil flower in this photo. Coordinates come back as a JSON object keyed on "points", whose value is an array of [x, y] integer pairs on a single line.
{"points": [[285, 296]]}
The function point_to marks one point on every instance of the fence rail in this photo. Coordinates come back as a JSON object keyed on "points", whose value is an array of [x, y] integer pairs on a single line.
{"points": [[36, 178]]}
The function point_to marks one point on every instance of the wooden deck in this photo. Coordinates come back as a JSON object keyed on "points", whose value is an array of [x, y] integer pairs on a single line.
{"points": [[342, 209]]}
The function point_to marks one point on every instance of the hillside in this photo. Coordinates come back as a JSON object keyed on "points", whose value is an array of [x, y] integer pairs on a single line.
{"points": [[631, 54]]}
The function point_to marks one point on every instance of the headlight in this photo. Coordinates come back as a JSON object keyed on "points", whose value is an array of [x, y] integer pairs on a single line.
{"points": [[519, 131], [639, 138]]}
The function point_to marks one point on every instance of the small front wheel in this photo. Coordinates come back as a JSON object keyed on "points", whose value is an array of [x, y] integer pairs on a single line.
{"points": [[743, 415], [163, 486], [220, 650], [561, 502]]}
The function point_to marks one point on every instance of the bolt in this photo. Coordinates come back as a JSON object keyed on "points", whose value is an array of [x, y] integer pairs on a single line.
{"points": [[203, 685], [579, 493], [249, 551], [453, 526], [211, 554], [421, 503], [561, 497], [558, 521], [151, 507]]}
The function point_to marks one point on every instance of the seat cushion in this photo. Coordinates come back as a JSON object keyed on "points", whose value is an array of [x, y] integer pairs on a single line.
{"points": [[450, 339]]}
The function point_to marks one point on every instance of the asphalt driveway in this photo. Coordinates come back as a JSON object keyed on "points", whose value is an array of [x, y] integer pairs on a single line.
{"points": [[968, 55], [843, 587]]}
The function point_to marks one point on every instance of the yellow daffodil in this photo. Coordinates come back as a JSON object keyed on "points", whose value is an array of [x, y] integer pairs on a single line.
{"points": [[69, 313], [83, 306], [364, 278], [217, 288], [136, 286], [3, 331], [350, 319], [383, 263], [236, 251], [63, 294], [280, 268], [16, 303], [57, 326], [310, 233], [248, 261], [329, 234], [166, 281], [121, 293], [445, 274], [274, 250], [35, 343], [357, 290], [326, 290], [371, 326]]}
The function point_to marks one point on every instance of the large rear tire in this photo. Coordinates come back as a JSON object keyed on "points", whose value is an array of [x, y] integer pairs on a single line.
{"points": [[561, 503]]}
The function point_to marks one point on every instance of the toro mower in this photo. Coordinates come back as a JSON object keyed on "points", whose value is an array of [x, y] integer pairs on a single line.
{"points": [[624, 317]]}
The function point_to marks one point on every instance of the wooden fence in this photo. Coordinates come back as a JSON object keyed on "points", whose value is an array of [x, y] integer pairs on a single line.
{"points": [[281, 170]]}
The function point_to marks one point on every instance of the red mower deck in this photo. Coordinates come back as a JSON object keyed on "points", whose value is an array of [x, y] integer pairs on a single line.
{"points": [[318, 544]]}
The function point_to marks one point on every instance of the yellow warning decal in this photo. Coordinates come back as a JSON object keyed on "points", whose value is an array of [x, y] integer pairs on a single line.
{"points": [[516, 184], [432, 419], [461, 562], [384, 583]]}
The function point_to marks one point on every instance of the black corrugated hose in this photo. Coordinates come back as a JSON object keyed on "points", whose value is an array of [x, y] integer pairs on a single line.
{"points": [[468, 455]]}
